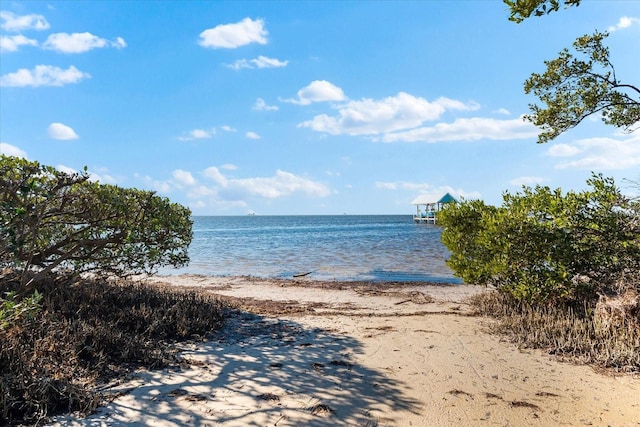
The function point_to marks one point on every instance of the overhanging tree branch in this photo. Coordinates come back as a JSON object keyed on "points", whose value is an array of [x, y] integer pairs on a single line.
{"points": [[523, 9], [572, 90]]}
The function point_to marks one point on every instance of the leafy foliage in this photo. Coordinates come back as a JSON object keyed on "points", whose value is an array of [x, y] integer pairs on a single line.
{"points": [[466, 226], [523, 9], [13, 308], [575, 87], [543, 245], [54, 221]]}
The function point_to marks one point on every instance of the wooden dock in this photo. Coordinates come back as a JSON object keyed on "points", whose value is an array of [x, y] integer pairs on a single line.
{"points": [[427, 212], [428, 217]]}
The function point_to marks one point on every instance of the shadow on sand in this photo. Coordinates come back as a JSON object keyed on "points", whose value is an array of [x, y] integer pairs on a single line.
{"points": [[260, 371]]}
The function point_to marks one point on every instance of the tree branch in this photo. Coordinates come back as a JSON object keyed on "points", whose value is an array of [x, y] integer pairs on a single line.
{"points": [[630, 87]]}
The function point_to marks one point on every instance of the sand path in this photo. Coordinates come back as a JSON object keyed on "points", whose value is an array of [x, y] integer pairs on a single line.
{"points": [[314, 354]]}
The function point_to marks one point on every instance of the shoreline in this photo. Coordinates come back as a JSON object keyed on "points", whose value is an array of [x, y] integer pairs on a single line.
{"points": [[378, 354], [398, 278]]}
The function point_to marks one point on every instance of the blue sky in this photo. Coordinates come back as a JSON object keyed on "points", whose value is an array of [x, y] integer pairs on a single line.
{"points": [[302, 107]]}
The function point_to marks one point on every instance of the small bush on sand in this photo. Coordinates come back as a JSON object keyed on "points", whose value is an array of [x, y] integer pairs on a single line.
{"points": [[543, 245], [86, 333], [565, 267]]}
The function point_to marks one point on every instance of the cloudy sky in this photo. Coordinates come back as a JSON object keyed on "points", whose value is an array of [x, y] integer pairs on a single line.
{"points": [[302, 107]]}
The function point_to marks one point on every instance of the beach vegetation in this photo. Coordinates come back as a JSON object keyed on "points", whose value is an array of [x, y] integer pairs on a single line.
{"points": [[565, 267], [54, 221], [544, 245], [62, 347], [69, 321], [523, 9], [568, 330], [12, 307], [578, 83]]}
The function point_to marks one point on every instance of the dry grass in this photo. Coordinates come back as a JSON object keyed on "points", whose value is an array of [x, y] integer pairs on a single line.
{"points": [[566, 330], [87, 333]]}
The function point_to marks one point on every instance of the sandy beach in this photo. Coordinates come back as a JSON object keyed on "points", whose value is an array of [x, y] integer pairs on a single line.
{"points": [[306, 353]]}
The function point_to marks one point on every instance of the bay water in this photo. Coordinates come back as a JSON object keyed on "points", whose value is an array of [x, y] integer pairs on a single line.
{"points": [[327, 247]]}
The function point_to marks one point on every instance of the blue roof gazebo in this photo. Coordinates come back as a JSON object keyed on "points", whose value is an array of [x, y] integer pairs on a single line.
{"points": [[447, 198], [428, 216]]}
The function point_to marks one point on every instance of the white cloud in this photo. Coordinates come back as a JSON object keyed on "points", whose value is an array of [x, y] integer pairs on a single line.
{"points": [[231, 36], [13, 43], [12, 22], [260, 105], [471, 129], [427, 193], [264, 62], [180, 180], [454, 104], [502, 111], [214, 174], [67, 170], [43, 75], [624, 22], [60, 131], [202, 191], [603, 154], [106, 179], [119, 43], [159, 186], [259, 62], [563, 150], [12, 150], [227, 128], [386, 185], [240, 64], [198, 134], [93, 177], [252, 135], [526, 180], [184, 177], [403, 185], [318, 91], [433, 194], [79, 42], [229, 167], [103, 176], [281, 185], [394, 113]]}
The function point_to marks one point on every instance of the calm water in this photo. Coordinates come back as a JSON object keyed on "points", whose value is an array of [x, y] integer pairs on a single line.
{"points": [[342, 247]]}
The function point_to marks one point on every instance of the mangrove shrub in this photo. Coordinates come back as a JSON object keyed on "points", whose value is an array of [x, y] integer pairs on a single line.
{"points": [[544, 245], [55, 222]]}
